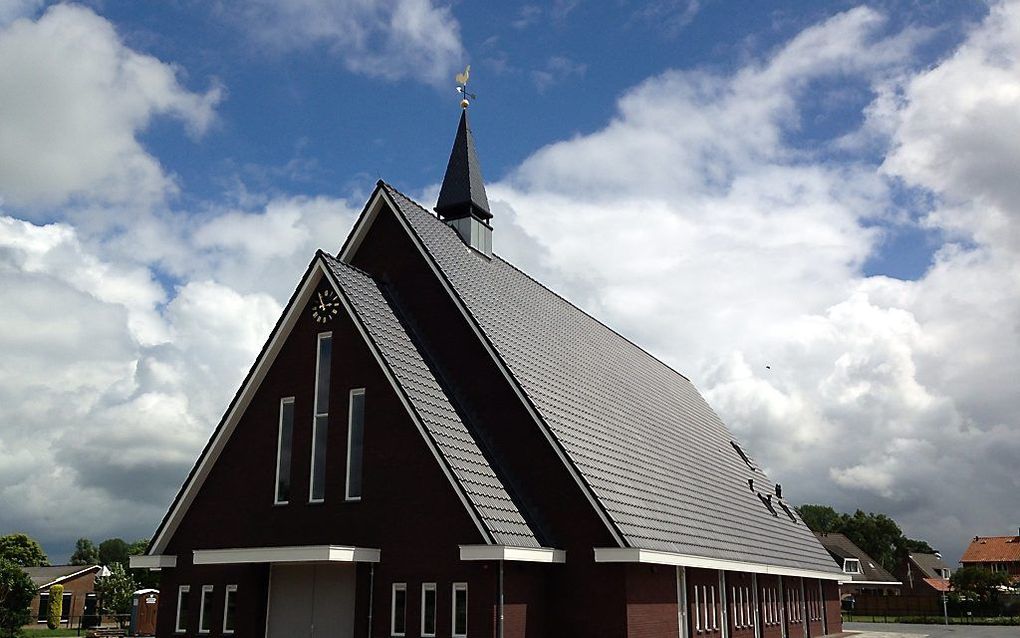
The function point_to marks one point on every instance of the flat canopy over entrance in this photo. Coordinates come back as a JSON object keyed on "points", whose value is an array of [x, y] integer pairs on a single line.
{"points": [[294, 554]]}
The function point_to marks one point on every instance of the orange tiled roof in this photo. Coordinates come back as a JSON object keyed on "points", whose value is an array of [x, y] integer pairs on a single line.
{"points": [[939, 584], [991, 549]]}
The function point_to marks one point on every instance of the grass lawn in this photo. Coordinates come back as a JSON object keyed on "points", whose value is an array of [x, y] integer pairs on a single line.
{"points": [[32, 633]]}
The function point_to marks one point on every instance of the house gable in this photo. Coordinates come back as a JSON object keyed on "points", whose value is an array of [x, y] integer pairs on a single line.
{"points": [[402, 484], [454, 454]]}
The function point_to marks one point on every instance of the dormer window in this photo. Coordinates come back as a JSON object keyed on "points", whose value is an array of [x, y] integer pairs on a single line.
{"points": [[851, 566]]}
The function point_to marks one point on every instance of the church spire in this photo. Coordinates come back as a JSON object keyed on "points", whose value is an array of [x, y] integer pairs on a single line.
{"points": [[462, 202], [463, 190]]}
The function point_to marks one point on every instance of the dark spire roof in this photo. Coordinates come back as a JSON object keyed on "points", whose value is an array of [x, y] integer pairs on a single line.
{"points": [[463, 191]]}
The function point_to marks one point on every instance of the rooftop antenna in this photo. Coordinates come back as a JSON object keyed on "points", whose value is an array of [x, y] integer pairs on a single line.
{"points": [[462, 80]]}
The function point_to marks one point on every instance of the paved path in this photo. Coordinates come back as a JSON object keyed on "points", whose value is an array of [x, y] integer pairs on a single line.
{"points": [[897, 630]]}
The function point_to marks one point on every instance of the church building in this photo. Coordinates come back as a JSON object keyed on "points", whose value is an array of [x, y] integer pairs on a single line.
{"points": [[433, 444]]}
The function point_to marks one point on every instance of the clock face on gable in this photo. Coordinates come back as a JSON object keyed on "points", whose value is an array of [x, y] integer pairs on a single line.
{"points": [[325, 305]]}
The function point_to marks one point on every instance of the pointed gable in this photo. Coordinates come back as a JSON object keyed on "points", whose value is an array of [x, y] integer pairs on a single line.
{"points": [[659, 461], [452, 446]]}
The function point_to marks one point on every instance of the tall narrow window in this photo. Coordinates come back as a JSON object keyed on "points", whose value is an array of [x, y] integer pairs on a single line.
{"points": [[230, 609], [183, 600], [44, 606], [355, 443], [428, 609], [284, 441], [204, 608], [320, 426], [697, 610], [460, 609], [398, 610]]}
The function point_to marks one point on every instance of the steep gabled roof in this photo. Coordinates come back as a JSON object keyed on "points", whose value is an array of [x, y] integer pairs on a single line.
{"points": [[454, 443], [659, 462], [992, 549], [842, 548]]}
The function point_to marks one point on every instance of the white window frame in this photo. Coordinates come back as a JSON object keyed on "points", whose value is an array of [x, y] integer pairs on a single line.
{"points": [[206, 589], [316, 414], [229, 593], [279, 456], [453, 608], [350, 421], [181, 590], [393, 609], [429, 587], [849, 561]]}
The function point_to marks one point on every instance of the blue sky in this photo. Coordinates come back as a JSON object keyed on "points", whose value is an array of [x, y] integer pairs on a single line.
{"points": [[823, 188]]}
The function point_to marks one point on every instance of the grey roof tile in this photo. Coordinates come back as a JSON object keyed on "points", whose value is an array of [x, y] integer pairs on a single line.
{"points": [[656, 456], [458, 448]]}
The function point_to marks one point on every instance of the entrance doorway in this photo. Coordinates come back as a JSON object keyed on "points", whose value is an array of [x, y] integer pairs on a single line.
{"points": [[311, 601]]}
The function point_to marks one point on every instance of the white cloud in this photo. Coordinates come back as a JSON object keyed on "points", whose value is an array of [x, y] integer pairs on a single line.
{"points": [[393, 39], [105, 391], [75, 99], [557, 69], [11, 10], [694, 224]]}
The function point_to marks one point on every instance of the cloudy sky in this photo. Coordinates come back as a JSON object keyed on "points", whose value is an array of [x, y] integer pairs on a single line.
{"points": [[810, 209]]}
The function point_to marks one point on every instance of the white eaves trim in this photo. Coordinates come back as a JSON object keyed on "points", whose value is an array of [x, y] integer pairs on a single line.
{"points": [[152, 561], [294, 554], [873, 582], [507, 552], [635, 555], [70, 576]]}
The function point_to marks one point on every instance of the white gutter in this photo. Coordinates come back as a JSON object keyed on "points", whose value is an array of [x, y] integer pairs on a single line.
{"points": [[655, 557]]}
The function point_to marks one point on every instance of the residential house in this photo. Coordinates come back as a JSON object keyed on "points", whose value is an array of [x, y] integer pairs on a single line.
{"points": [[924, 574], [995, 553], [79, 596], [862, 573], [432, 443]]}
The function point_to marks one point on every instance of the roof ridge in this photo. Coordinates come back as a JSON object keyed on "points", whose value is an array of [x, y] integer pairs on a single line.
{"points": [[557, 295]]}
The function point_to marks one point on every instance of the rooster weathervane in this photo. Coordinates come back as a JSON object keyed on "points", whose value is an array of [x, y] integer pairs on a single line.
{"points": [[462, 80]]}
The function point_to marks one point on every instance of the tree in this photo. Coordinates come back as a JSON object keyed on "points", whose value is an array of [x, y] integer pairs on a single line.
{"points": [[978, 583], [116, 590], [56, 606], [138, 547], [23, 550], [877, 534], [85, 553], [114, 551], [16, 594], [819, 518]]}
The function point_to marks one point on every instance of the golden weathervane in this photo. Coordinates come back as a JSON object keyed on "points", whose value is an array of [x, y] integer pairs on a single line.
{"points": [[462, 80]]}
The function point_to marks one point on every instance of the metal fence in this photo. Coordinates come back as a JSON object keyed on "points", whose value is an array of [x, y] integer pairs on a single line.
{"points": [[929, 609]]}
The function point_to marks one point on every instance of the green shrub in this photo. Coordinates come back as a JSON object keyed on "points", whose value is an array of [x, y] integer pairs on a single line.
{"points": [[56, 606], [16, 594]]}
